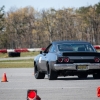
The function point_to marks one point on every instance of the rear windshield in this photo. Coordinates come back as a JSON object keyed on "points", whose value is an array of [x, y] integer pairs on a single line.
{"points": [[76, 47]]}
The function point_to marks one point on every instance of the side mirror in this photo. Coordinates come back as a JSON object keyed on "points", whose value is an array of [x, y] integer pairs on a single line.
{"points": [[40, 52]]}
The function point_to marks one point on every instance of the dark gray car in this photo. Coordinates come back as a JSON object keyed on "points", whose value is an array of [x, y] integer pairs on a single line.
{"points": [[67, 58]]}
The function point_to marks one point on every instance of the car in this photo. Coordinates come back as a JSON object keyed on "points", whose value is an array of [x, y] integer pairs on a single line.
{"points": [[67, 58]]}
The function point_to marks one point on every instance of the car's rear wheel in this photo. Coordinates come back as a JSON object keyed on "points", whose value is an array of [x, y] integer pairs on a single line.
{"points": [[37, 73], [96, 75], [82, 76], [52, 75]]}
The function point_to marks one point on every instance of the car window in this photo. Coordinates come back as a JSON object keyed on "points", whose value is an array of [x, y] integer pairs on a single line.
{"points": [[52, 48], [75, 47], [48, 48], [65, 47], [82, 47]]}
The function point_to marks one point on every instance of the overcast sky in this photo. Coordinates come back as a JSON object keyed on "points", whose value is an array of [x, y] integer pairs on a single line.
{"points": [[46, 4]]}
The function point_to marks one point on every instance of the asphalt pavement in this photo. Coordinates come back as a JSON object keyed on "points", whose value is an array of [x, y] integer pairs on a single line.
{"points": [[20, 80]]}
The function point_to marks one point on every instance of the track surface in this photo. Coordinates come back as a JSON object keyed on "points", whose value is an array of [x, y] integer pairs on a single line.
{"points": [[69, 88]]}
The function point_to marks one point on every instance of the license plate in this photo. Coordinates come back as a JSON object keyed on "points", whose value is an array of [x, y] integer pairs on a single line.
{"points": [[81, 67]]}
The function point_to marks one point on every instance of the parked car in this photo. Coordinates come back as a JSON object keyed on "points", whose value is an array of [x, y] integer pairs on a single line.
{"points": [[67, 58]]}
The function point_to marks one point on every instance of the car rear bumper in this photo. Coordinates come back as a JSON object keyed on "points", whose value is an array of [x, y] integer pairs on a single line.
{"points": [[77, 66]]}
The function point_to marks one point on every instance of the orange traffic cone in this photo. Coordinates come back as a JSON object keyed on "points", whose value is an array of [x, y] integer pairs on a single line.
{"points": [[38, 98], [98, 92], [4, 78]]}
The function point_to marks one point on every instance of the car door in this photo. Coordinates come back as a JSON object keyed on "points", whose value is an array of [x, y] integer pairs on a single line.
{"points": [[43, 59], [50, 56]]}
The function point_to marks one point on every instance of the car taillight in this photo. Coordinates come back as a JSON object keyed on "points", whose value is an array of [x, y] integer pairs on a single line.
{"points": [[96, 59], [66, 59], [60, 59]]}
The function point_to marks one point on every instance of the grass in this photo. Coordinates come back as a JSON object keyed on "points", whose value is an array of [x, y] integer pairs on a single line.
{"points": [[28, 63], [3, 55], [17, 63], [98, 50], [23, 54]]}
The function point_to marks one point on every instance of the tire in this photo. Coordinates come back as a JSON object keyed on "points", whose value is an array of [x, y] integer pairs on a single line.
{"points": [[82, 76], [37, 73], [96, 75], [52, 75], [14, 54]]}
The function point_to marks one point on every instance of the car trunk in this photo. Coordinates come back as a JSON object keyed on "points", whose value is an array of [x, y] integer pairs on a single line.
{"points": [[81, 57], [81, 54]]}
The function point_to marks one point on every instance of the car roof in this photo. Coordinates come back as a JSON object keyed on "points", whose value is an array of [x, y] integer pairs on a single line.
{"points": [[58, 42]]}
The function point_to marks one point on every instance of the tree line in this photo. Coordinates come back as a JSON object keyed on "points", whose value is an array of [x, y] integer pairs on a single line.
{"points": [[29, 28]]}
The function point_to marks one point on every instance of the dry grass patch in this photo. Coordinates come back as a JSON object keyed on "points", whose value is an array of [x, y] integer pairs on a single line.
{"points": [[17, 64], [22, 54]]}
